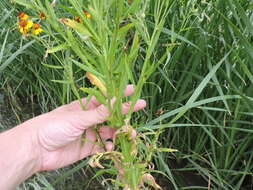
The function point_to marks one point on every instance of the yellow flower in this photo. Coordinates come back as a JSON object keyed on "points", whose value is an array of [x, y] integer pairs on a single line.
{"points": [[37, 29], [88, 15], [23, 16], [25, 26]]}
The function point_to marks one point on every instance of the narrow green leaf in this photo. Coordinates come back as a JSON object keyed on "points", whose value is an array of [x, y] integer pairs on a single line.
{"points": [[14, 55], [134, 6], [166, 150], [58, 48], [61, 81], [24, 3], [6, 16], [123, 30], [87, 68], [195, 104], [3, 46], [96, 93], [52, 66]]}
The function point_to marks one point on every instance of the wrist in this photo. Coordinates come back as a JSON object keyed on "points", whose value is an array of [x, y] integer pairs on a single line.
{"points": [[19, 155], [28, 133]]}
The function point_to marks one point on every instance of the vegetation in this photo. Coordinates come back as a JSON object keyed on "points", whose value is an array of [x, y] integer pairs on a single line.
{"points": [[199, 98]]}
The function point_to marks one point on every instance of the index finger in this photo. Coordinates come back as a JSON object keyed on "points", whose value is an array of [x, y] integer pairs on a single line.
{"points": [[93, 102]]}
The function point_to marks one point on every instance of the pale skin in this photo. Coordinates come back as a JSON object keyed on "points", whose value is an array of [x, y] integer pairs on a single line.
{"points": [[53, 140]]}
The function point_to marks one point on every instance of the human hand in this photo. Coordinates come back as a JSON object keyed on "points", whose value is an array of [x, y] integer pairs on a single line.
{"points": [[58, 134]]}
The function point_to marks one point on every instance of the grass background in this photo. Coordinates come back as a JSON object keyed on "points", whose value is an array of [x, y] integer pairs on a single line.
{"points": [[201, 98]]}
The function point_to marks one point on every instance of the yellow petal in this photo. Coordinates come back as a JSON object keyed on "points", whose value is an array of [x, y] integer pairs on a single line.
{"points": [[23, 16], [37, 31], [23, 31], [29, 24]]}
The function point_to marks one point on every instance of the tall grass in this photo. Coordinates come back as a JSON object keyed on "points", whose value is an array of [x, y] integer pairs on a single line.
{"points": [[200, 98], [215, 139]]}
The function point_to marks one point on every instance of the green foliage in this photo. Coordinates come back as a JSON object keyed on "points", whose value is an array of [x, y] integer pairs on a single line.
{"points": [[200, 95]]}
